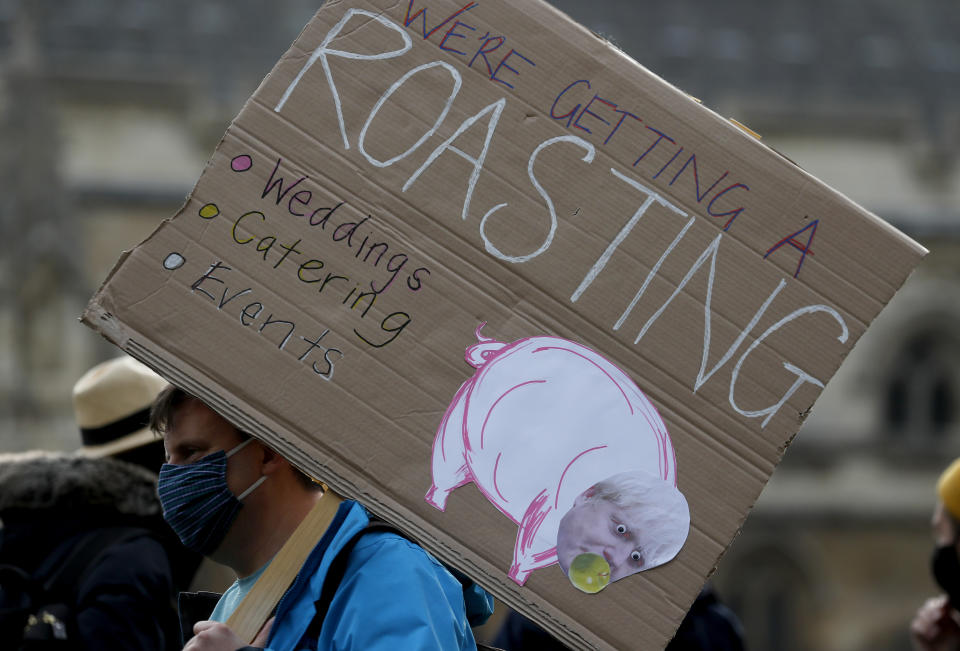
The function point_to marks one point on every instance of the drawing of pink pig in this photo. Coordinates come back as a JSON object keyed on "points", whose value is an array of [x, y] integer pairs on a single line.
{"points": [[542, 420]]}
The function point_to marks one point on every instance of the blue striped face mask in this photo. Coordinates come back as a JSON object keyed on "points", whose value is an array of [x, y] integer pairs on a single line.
{"points": [[197, 504]]}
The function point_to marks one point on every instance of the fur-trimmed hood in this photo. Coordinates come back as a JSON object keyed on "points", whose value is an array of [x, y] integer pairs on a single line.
{"points": [[44, 480]]}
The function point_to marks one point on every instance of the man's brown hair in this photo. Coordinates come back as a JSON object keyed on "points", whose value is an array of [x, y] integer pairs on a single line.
{"points": [[165, 407]]}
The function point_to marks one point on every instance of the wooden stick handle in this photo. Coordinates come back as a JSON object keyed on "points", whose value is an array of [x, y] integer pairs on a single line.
{"points": [[250, 616]]}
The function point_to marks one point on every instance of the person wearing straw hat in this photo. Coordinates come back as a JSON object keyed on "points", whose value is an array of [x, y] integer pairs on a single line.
{"points": [[241, 503], [112, 403], [936, 625], [94, 521]]}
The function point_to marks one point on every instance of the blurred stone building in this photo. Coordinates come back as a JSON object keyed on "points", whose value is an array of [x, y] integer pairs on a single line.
{"points": [[110, 108], [108, 111]]}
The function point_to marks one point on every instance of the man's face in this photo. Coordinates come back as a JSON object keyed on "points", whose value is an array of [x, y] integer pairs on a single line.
{"points": [[199, 431], [600, 527]]}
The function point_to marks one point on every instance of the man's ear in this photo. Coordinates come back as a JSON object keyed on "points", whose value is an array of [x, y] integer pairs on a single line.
{"points": [[271, 461]]}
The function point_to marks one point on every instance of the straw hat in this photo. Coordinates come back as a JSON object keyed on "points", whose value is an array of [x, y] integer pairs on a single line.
{"points": [[112, 406]]}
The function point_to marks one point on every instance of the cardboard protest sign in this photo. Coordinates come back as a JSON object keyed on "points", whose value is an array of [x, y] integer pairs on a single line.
{"points": [[473, 266]]}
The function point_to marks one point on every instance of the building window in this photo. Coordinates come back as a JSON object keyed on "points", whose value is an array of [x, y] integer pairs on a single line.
{"points": [[922, 393]]}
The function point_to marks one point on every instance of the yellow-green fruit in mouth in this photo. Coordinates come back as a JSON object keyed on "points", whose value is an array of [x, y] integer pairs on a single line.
{"points": [[589, 572]]}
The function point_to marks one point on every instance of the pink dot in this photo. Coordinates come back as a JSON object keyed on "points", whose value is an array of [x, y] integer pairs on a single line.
{"points": [[241, 163]]}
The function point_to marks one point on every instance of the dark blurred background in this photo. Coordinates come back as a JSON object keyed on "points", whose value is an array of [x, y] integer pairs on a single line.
{"points": [[110, 108]]}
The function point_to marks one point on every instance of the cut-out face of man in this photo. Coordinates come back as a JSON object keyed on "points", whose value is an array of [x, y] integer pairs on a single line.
{"points": [[598, 526], [633, 521]]}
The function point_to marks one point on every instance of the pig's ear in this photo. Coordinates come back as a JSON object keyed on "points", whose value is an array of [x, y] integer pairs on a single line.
{"points": [[484, 350], [479, 354], [480, 338]]}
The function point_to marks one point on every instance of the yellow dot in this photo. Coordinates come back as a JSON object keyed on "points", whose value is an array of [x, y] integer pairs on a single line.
{"points": [[589, 573], [209, 211]]}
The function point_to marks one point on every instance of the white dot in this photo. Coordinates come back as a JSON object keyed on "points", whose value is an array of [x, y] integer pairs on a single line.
{"points": [[173, 261]]}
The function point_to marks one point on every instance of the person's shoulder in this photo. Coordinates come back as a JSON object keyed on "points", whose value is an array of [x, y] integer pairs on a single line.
{"points": [[388, 558], [130, 539], [381, 557], [373, 536], [134, 552], [387, 543]]}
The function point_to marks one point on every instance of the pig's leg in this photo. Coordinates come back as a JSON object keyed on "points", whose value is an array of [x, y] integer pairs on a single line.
{"points": [[528, 554], [449, 455]]}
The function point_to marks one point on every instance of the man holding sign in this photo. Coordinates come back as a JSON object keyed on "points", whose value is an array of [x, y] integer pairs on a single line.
{"points": [[394, 182], [238, 501]]}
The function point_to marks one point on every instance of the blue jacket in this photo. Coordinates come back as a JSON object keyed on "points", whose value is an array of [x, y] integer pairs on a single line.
{"points": [[393, 595]]}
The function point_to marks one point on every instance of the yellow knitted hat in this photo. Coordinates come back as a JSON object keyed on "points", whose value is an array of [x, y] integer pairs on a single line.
{"points": [[948, 488]]}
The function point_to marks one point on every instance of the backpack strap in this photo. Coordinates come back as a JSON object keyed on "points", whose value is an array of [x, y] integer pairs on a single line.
{"points": [[256, 608], [338, 567]]}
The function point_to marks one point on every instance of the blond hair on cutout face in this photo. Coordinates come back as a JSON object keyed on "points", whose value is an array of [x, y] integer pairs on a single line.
{"points": [[656, 510]]}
